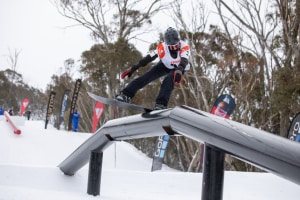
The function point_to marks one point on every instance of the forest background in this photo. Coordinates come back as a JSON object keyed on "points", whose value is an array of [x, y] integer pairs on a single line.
{"points": [[252, 53]]}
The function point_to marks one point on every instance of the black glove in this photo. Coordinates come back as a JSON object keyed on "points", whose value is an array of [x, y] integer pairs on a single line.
{"points": [[178, 74], [129, 71]]}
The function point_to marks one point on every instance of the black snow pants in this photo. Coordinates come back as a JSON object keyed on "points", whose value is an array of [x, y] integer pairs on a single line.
{"points": [[154, 73]]}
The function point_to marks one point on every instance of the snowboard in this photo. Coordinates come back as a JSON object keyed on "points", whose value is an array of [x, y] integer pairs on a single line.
{"points": [[117, 103]]}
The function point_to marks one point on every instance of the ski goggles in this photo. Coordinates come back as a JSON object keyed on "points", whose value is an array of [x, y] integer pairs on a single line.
{"points": [[174, 47]]}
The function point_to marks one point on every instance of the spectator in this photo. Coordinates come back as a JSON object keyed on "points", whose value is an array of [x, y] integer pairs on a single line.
{"points": [[11, 112], [28, 113], [1, 111]]}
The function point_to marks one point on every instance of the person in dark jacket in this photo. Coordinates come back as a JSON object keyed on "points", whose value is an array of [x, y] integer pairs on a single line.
{"points": [[11, 112], [28, 113]]}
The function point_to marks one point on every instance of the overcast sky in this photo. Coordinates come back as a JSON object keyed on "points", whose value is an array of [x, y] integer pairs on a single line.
{"points": [[36, 30]]}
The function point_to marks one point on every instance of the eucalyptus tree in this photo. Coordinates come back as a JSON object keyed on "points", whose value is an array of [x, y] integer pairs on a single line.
{"points": [[112, 24], [219, 63], [286, 78], [111, 20]]}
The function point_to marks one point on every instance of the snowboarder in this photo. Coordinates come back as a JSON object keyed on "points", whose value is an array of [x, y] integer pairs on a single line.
{"points": [[173, 54], [75, 120]]}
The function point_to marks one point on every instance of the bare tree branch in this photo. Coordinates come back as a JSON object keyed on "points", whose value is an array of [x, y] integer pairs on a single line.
{"points": [[110, 20], [13, 59]]}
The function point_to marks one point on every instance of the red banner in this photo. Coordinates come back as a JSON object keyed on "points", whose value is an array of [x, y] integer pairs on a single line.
{"points": [[24, 105], [98, 110]]}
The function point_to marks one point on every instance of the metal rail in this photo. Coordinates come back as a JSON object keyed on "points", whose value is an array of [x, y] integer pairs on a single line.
{"points": [[267, 151]]}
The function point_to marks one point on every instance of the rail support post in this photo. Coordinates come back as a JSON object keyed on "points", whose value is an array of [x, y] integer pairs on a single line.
{"points": [[95, 170], [213, 173]]}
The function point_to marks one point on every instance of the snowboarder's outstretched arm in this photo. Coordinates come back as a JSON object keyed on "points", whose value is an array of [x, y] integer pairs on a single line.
{"points": [[143, 62]]}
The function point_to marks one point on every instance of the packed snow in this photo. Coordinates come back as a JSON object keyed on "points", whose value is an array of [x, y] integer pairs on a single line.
{"points": [[28, 171]]}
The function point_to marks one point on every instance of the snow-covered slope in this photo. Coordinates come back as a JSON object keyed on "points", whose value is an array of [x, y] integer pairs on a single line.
{"points": [[28, 171]]}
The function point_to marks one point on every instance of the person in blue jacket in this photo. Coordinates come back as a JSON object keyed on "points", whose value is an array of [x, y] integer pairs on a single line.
{"points": [[1, 111], [75, 120]]}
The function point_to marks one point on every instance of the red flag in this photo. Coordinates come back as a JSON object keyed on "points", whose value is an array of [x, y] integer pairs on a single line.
{"points": [[98, 110], [24, 105]]}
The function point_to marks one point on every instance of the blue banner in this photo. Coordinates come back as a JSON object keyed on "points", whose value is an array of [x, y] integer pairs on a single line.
{"points": [[63, 107], [159, 153]]}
